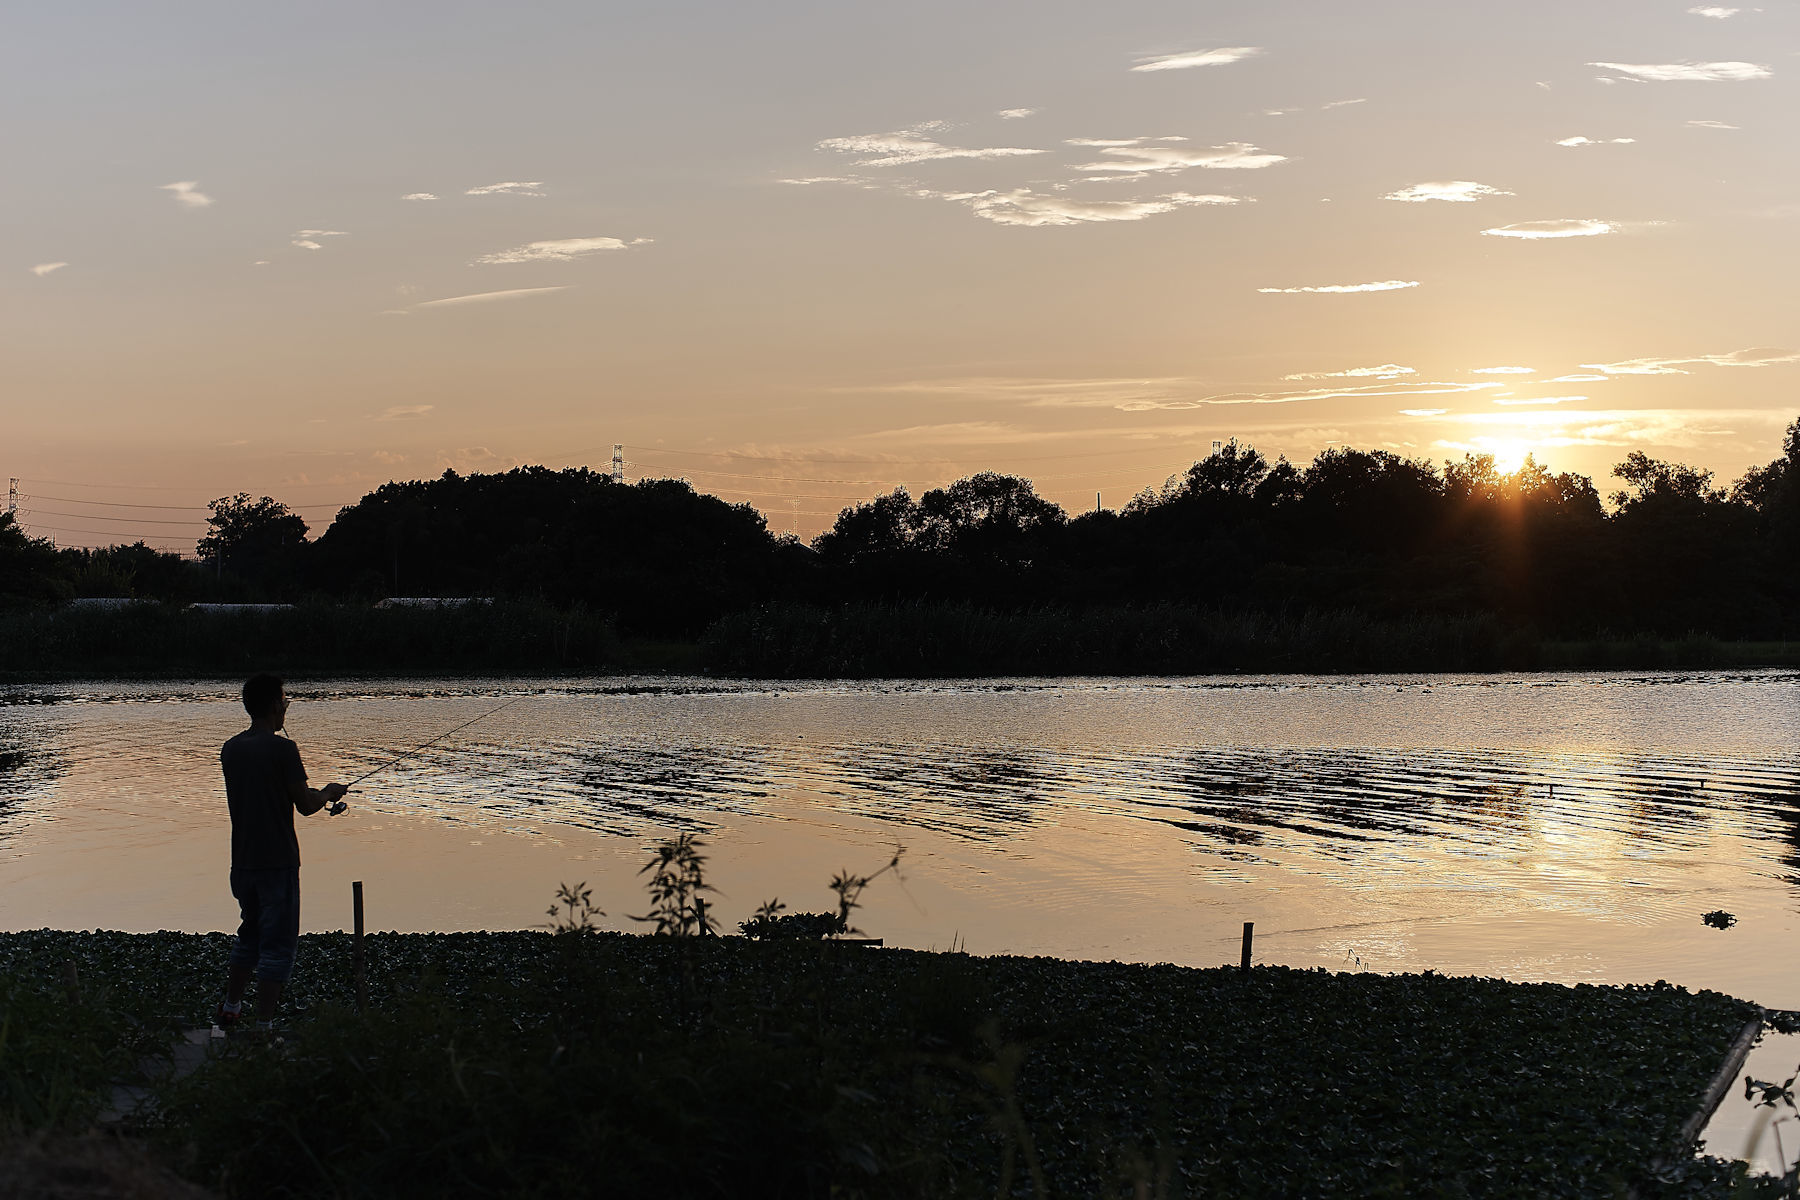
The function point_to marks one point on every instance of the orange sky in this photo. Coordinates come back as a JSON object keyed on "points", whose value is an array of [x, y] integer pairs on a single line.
{"points": [[801, 254]]}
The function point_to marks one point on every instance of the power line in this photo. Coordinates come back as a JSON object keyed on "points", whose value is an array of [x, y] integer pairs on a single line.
{"points": [[161, 487], [34, 526], [163, 507], [51, 512]]}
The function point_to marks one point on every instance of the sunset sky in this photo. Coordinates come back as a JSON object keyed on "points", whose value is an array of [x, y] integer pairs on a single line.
{"points": [[801, 253]]}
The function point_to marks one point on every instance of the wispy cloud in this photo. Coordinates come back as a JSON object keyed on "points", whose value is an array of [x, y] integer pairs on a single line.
{"points": [[1579, 140], [515, 188], [187, 193], [1565, 227], [418, 196], [1554, 429], [908, 146], [1688, 71], [1196, 58], [1343, 103], [1385, 285], [1714, 11], [1703, 124], [1423, 412], [1226, 399], [306, 239], [1385, 371], [1578, 379], [1016, 114], [558, 250], [402, 412], [1170, 394], [1455, 191], [489, 297], [1022, 206], [43, 269], [1755, 356], [1523, 400], [1138, 157], [1502, 370]]}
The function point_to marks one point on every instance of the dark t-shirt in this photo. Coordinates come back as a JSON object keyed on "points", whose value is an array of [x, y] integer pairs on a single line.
{"points": [[258, 767]]}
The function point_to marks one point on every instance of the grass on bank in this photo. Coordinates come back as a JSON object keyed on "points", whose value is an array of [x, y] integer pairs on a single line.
{"points": [[960, 640], [594, 1063], [917, 640]]}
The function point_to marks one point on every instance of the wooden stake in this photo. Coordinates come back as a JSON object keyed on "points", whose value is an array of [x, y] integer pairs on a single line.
{"points": [[71, 981], [1244, 965], [362, 985]]}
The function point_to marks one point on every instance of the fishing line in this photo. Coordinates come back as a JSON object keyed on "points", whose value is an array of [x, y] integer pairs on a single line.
{"points": [[340, 805]]}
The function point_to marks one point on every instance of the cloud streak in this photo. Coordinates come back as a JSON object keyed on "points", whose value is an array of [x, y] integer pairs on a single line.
{"points": [[1185, 59], [43, 269], [1022, 206], [418, 196], [1137, 157], [1385, 371], [1384, 285], [1453, 191], [1706, 72], [402, 412], [1565, 227], [1227, 399], [1755, 356], [306, 239], [906, 147], [514, 188], [1580, 140], [491, 297], [188, 194], [558, 250]]}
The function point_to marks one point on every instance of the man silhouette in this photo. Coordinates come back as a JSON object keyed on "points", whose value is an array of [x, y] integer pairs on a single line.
{"points": [[265, 784]]}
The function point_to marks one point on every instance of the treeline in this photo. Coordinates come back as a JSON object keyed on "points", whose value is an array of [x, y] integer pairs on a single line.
{"points": [[1390, 540]]}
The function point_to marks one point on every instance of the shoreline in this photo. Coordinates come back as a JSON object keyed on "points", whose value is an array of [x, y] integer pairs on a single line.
{"points": [[682, 661]]}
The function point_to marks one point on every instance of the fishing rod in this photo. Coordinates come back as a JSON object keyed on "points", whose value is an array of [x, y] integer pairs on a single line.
{"points": [[340, 805]]}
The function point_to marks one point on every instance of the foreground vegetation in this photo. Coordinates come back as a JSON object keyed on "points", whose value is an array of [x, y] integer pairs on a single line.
{"points": [[584, 1063]]}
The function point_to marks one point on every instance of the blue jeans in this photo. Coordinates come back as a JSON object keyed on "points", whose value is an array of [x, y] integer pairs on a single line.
{"points": [[269, 933]]}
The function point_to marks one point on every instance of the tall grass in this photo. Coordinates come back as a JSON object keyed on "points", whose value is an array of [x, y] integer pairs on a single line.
{"points": [[155, 639]]}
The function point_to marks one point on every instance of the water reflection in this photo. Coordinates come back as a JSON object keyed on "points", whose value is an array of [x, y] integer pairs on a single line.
{"points": [[30, 766], [1434, 817]]}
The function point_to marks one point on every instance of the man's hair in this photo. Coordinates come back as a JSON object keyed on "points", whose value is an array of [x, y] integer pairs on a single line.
{"points": [[261, 692]]}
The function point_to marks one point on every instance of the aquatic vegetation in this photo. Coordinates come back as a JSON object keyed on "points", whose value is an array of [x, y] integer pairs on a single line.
{"points": [[1719, 919], [528, 1063]]}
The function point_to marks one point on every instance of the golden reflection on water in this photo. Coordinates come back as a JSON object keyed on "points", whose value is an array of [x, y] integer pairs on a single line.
{"points": [[1570, 827]]}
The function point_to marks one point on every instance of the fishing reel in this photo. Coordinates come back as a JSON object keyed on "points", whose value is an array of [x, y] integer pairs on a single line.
{"points": [[337, 806]]}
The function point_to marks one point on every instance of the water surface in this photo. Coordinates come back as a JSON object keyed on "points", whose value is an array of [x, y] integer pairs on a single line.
{"points": [[1562, 827]]}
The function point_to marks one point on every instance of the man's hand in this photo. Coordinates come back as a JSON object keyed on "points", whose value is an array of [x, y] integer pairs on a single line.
{"points": [[310, 800]]}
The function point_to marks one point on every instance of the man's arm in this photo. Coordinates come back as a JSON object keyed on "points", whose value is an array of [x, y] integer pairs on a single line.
{"points": [[310, 800]]}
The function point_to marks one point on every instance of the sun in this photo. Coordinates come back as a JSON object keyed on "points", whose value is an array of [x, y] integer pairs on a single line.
{"points": [[1509, 454]]}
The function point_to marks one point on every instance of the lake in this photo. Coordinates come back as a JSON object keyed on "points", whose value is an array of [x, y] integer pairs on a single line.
{"points": [[1570, 827]]}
